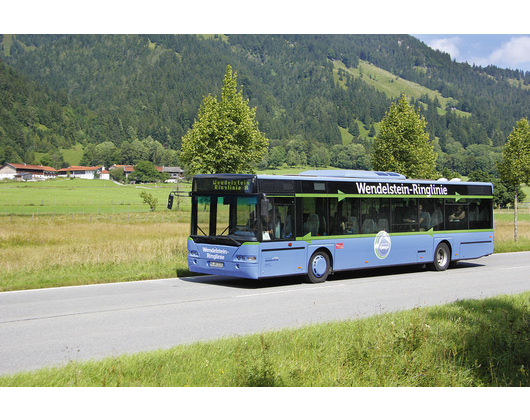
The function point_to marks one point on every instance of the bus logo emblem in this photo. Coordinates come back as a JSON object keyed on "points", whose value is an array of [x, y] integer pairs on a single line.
{"points": [[382, 245]]}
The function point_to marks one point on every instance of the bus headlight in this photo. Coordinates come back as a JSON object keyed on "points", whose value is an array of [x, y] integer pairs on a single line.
{"points": [[250, 258]]}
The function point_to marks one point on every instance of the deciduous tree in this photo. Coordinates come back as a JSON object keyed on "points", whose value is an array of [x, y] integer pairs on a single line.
{"points": [[225, 138], [403, 145], [145, 171], [515, 165]]}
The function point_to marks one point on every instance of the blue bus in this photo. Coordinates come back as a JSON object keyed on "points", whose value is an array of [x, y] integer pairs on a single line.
{"points": [[320, 222]]}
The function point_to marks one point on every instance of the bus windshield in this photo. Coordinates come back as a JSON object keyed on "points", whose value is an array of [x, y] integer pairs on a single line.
{"points": [[229, 219]]}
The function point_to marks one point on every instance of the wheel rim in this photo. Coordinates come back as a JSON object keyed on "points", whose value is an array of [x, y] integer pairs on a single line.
{"points": [[441, 257], [320, 266]]}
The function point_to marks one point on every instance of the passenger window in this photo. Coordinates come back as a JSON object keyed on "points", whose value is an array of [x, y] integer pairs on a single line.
{"points": [[405, 216], [430, 214], [315, 216], [456, 216], [344, 216], [480, 214], [279, 223]]}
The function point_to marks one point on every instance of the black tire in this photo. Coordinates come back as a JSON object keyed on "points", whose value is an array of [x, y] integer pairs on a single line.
{"points": [[318, 268], [442, 257]]}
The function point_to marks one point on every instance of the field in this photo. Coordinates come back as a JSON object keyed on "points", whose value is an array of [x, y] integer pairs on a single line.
{"points": [[504, 225], [72, 232], [69, 232], [79, 197]]}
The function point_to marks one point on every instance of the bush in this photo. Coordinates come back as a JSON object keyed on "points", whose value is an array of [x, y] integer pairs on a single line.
{"points": [[149, 199]]}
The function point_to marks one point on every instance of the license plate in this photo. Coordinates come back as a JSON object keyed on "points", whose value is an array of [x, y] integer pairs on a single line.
{"points": [[216, 264]]}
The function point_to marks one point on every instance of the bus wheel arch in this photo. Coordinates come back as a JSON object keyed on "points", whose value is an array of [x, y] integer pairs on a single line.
{"points": [[319, 266], [442, 256]]}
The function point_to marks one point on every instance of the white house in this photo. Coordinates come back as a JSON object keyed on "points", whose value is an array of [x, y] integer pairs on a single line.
{"points": [[104, 174], [175, 172], [10, 170], [84, 172]]}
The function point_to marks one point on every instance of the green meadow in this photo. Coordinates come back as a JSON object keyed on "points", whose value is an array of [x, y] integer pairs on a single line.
{"points": [[79, 196], [73, 231]]}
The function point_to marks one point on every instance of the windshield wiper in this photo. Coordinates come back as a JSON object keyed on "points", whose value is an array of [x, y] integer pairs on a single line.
{"points": [[237, 243], [221, 240]]}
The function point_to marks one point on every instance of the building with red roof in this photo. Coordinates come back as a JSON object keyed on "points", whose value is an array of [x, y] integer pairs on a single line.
{"points": [[26, 171], [85, 172]]}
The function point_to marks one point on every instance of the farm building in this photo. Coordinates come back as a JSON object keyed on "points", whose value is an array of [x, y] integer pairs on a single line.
{"points": [[85, 172], [10, 171], [127, 169], [23, 171], [174, 172], [104, 175]]}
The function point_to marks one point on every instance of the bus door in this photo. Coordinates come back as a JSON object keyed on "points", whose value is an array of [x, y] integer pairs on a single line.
{"points": [[280, 255]]}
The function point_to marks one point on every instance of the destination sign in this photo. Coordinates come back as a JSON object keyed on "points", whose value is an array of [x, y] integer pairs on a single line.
{"points": [[223, 184], [242, 185]]}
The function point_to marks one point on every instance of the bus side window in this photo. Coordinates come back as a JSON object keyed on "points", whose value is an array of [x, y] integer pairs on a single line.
{"points": [[405, 215], [425, 210], [344, 216], [278, 222], [316, 209], [284, 222], [456, 216], [375, 215], [437, 216], [480, 214], [267, 224]]}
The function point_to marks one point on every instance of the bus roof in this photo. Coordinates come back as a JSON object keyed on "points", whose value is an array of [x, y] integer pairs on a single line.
{"points": [[338, 174], [353, 174]]}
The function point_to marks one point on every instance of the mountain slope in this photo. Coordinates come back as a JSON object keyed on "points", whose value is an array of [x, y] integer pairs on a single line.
{"points": [[304, 86]]}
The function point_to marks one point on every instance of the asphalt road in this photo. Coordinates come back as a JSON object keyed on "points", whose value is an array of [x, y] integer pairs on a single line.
{"points": [[53, 326]]}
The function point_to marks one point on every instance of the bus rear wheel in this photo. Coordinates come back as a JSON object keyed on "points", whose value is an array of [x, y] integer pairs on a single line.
{"points": [[318, 269], [442, 257]]}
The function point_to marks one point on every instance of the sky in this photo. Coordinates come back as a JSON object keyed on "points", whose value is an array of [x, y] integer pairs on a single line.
{"points": [[501, 50]]}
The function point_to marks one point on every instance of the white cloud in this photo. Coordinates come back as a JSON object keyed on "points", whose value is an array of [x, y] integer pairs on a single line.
{"points": [[448, 45], [515, 51]]}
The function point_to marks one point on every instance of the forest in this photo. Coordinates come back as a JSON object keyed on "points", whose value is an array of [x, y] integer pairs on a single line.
{"points": [[128, 98]]}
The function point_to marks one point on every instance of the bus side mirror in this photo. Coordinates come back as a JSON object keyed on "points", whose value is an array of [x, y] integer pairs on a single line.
{"points": [[264, 207], [170, 201]]}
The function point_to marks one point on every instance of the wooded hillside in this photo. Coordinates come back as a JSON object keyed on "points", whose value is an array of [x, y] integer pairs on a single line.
{"points": [[317, 99]]}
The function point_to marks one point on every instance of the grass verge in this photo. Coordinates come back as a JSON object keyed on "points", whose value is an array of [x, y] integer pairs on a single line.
{"points": [[466, 343]]}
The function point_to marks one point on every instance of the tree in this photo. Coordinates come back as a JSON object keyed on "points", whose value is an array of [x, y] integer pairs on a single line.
{"points": [[118, 174], [515, 165], [105, 154], [225, 138], [403, 145], [276, 157], [145, 171], [149, 199]]}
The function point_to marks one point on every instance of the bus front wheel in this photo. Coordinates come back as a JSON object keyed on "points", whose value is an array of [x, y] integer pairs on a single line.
{"points": [[318, 269], [442, 257]]}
